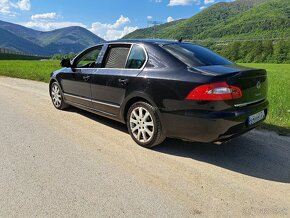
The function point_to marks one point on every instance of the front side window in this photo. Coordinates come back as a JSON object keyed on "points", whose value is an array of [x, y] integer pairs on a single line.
{"points": [[195, 55], [88, 60], [117, 56], [136, 58]]}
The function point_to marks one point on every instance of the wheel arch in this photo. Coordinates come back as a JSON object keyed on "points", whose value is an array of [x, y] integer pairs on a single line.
{"points": [[52, 80], [158, 130], [133, 98]]}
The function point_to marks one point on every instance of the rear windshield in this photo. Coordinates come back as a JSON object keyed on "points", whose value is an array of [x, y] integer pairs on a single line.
{"points": [[194, 55]]}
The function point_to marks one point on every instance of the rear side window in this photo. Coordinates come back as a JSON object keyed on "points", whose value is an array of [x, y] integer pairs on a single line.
{"points": [[117, 57], [136, 58], [194, 55]]}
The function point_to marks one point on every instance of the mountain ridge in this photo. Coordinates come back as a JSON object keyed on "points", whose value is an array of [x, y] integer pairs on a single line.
{"points": [[64, 40]]}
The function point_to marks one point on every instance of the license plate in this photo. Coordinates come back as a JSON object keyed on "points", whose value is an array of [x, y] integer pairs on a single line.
{"points": [[256, 117]]}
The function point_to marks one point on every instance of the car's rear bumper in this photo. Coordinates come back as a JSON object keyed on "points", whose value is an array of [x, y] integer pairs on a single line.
{"points": [[211, 126]]}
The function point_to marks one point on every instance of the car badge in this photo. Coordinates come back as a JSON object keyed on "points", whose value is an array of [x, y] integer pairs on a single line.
{"points": [[258, 85]]}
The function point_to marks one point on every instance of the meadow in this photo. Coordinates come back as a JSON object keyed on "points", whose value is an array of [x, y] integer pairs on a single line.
{"points": [[33, 70], [278, 74], [278, 95]]}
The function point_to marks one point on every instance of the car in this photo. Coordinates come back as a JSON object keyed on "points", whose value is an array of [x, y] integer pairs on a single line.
{"points": [[163, 88]]}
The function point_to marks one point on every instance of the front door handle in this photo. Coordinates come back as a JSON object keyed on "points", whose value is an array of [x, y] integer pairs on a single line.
{"points": [[123, 81], [86, 78]]}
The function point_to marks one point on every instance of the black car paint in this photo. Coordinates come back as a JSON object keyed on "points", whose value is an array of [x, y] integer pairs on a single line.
{"points": [[164, 82]]}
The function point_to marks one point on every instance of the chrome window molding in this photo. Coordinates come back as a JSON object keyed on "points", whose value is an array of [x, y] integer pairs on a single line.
{"points": [[131, 44]]}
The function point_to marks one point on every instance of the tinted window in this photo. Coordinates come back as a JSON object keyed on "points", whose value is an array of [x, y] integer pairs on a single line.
{"points": [[194, 55], [136, 58], [89, 59], [117, 57]]}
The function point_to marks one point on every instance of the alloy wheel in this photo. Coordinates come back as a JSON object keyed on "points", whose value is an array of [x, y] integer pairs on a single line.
{"points": [[56, 96], [141, 124]]}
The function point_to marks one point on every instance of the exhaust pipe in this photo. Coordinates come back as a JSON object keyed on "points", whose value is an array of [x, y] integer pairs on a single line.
{"points": [[218, 143], [221, 142]]}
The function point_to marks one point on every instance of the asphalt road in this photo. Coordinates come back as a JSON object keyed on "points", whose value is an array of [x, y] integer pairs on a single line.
{"points": [[76, 164]]}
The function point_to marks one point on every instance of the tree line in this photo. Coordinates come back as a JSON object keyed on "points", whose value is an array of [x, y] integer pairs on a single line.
{"points": [[70, 55], [257, 51]]}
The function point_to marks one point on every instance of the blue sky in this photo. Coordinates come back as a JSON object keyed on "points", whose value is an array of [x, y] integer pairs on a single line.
{"points": [[110, 19]]}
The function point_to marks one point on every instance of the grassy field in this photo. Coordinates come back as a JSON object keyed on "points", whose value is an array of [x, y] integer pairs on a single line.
{"points": [[279, 96], [33, 70], [279, 86]]}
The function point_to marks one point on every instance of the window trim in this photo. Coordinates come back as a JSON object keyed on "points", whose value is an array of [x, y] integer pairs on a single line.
{"points": [[83, 53], [145, 61], [131, 46]]}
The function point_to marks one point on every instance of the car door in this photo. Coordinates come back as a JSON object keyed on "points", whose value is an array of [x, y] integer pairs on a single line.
{"points": [[119, 68], [76, 83]]}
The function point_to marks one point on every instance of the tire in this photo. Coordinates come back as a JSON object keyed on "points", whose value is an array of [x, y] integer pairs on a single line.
{"points": [[145, 130], [57, 96]]}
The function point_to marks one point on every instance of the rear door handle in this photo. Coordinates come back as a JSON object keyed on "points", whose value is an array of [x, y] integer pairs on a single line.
{"points": [[86, 78], [123, 81]]}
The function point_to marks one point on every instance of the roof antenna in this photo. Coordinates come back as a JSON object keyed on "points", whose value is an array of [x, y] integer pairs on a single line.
{"points": [[180, 40]]}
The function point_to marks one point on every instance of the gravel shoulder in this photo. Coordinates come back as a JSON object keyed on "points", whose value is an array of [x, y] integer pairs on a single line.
{"points": [[74, 163]]}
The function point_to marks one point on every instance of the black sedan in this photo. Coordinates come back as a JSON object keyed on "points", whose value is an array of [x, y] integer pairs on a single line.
{"points": [[163, 89]]}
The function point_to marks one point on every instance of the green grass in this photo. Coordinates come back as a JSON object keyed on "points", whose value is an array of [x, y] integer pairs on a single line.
{"points": [[33, 70], [278, 74], [279, 96]]}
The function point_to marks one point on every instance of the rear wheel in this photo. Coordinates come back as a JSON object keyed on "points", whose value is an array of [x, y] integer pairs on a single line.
{"points": [[57, 96], [144, 125]]}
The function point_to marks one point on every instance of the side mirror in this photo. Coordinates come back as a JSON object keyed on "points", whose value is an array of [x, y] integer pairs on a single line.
{"points": [[65, 63]]}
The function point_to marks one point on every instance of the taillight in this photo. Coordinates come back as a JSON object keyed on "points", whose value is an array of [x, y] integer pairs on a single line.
{"points": [[219, 91]]}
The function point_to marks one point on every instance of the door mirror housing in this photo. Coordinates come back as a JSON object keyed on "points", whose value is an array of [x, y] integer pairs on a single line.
{"points": [[65, 63]]}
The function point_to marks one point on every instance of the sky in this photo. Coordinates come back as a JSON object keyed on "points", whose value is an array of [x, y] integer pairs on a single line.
{"points": [[109, 19]]}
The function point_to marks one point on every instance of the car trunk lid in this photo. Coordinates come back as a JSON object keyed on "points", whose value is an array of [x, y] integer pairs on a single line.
{"points": [[252, 82], [254, 86]]}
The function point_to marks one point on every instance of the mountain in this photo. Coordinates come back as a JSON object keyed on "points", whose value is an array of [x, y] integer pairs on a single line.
{"points": [[240, 19], [65, 40]]}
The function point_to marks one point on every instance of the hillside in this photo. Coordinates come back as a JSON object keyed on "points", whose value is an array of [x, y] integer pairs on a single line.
{"points": [[228, 20], [65, 40]]}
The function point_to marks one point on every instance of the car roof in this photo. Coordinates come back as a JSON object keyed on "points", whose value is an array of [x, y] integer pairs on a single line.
{"points": [[149, 41]]}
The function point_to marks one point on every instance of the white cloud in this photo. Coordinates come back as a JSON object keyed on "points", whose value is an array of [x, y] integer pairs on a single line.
{"points": [[121, 21], [44, 16], [208, 1], [170, 19], [183, 2], [4, 7], [7, 7], [23, 5], [113, 31], [47, 22], [202, 7], [117, 34], [149, 17], [47, 26]]}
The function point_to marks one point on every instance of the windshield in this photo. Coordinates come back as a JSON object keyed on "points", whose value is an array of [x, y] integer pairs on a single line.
{"points": [[195, 55]]}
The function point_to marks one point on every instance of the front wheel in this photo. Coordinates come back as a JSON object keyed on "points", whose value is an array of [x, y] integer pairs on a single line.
{"points": [[57, 96], [144, 125]]}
